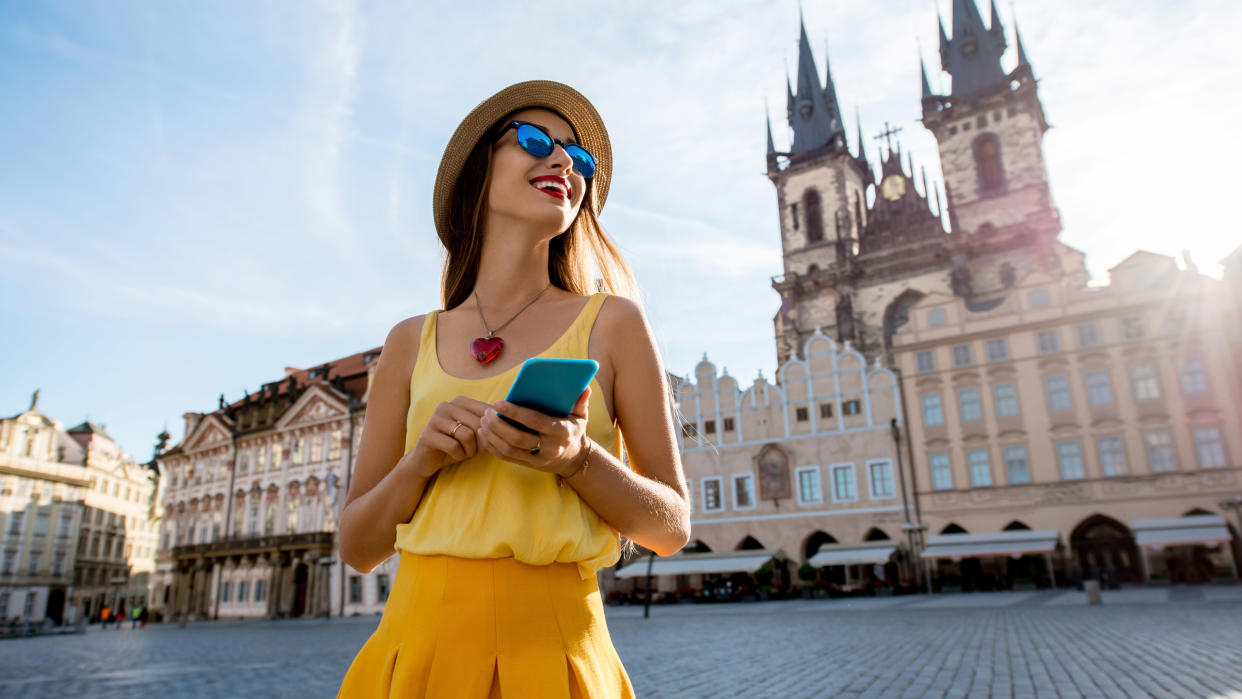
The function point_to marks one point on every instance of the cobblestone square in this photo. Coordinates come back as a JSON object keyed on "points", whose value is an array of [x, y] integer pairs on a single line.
{"points": [[1179, 642]]}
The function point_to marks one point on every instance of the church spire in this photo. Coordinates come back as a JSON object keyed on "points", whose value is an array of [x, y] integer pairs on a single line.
{"points": [[814, 113], [862, 150], [1017, 36], [973, 55], [771, 145], [926, 86]]}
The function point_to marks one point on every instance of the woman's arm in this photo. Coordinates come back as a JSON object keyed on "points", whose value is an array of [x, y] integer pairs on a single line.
{"points": [[370, 514], [646, 502], [387, 483]]}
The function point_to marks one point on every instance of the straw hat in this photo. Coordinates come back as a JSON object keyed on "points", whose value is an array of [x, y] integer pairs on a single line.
{"points": [[560, 98]]}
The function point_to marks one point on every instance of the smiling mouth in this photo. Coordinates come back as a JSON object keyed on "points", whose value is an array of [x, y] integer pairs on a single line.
{"points": [[552, 186]]}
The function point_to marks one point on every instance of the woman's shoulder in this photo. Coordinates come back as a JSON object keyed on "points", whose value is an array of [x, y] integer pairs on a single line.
{"points": [[401, 345], [621, 314]]}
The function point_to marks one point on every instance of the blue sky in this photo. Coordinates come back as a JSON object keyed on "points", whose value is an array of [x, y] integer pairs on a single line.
{"points": [[194, 196]]}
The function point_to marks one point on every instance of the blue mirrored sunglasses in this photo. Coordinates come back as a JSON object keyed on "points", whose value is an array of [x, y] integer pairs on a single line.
{"points": [[539, 143]]}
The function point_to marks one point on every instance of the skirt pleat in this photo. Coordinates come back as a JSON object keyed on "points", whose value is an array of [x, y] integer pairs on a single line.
{"points": [[459, 627]]}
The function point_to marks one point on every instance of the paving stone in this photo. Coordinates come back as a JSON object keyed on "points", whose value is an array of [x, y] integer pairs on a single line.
{"points": [[1182, 647]]}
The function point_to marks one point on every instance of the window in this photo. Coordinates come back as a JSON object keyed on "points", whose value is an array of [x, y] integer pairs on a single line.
{"points": [[689, 430], [10, 559], [36, 557], [1160, 453], [844, 488], [814, 216], [243, 591], [355, 589], [316, 449], [334, 445], [1146, 384], [728, 424], [881, 473], [711, 495], [1006, 400], [933, 414], [1133, 328], [1099, 388], [226, 589], [1016, 466], [937, 317], [988, 162], [1057, 388], [260, 590], [852, 407], [1194, 378], [278, 455], [41, 520], [709, 427], [1112, 456], [1088, 335], [15, 523], [1069, 458], [926, 361], [963, 355], [941, 475], [743, 491], [809, 492], [1049, 341], [381, 587], [968, 401], [980, 468], [1039, 298], [793, 215], [802, 414], [998, 350], [1210, 448], [825, 411], [298, 450]]}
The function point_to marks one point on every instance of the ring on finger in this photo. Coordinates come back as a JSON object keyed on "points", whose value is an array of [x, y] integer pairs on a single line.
{"points": [[538, 443], [456, 426]]}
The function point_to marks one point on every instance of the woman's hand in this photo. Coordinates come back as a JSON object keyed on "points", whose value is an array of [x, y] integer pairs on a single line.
{"points": [[448, 438], [557, 448]]}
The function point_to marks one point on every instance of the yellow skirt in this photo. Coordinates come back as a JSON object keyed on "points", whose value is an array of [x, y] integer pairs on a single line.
{"points": [[463, 627]]}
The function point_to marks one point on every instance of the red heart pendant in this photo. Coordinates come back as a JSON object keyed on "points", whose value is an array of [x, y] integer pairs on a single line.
{"points": [[485, 349]]}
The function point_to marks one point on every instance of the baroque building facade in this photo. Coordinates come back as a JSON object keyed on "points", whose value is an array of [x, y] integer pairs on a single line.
{"points": [[874, 283], [77, 534], [253, 496]]}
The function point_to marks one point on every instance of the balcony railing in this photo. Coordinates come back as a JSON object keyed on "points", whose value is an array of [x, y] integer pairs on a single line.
{"points": [[244, 544]]}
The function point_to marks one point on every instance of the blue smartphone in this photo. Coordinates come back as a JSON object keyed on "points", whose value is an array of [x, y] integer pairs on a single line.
{"points": [[550, 385]]}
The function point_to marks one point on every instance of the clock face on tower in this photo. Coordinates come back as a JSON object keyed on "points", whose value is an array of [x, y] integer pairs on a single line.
{"points": [[893, 187]]}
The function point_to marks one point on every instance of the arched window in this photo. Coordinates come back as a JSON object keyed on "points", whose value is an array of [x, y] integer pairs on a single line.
{"points": [[814, 216], [988, 162]]}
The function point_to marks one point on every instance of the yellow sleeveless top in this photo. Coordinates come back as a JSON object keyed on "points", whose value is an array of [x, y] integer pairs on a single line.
{"points": [[485, 507]]}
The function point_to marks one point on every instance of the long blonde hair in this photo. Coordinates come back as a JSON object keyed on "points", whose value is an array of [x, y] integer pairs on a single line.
{"points": [[570, 254]]}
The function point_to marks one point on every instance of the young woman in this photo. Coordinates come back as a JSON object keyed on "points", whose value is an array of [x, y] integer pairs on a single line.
{"points": [[501, 531]]}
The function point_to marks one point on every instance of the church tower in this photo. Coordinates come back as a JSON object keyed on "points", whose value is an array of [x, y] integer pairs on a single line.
{"points": [[821, 196], [990, 131]]}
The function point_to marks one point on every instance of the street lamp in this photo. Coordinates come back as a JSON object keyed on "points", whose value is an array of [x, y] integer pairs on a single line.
{"points": [[914, 530], [1233, 503]]}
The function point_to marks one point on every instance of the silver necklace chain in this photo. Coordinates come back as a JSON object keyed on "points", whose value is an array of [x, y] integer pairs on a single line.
{"points": [[491, 332]]}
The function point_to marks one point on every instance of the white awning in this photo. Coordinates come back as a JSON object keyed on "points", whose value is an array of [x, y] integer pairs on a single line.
{"points": [[851, 554], [1192, 530], [1014, 544], [702, 563]]}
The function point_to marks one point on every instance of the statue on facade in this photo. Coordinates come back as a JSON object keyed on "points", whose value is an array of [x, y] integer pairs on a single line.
{"points": [[34, 399]]}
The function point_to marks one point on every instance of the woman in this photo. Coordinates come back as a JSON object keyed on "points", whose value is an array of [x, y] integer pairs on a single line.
{"points": [[501, 531]]}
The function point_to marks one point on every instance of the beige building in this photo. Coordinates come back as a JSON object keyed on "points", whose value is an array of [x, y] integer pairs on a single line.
{"points": [[1079, 409], [252, 498], [790, 466], [117, 540], [76, 533], [42, 485]]}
